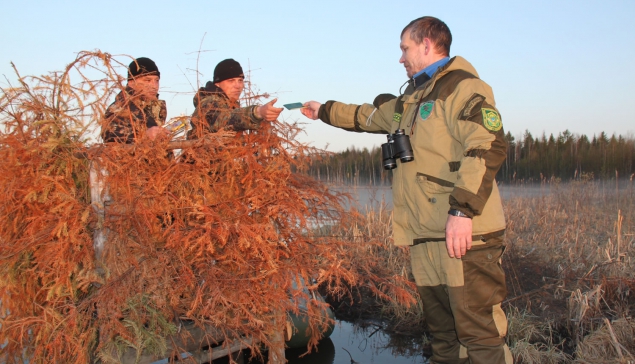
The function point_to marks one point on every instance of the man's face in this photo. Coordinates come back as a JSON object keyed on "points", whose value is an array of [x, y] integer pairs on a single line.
{"points": [[145, 86], [413, 56], [232, 87]]}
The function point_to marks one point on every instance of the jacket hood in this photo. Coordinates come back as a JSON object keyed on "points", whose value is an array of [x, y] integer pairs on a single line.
{"points": [[455, 63], [209, 89]]}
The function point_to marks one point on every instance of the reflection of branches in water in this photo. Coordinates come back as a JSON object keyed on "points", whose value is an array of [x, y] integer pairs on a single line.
{"points": [[408, 346], [398, 344], [349, 354]]}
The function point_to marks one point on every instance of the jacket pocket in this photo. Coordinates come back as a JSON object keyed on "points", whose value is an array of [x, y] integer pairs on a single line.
{"points": [[484, 276], [433, 201]]}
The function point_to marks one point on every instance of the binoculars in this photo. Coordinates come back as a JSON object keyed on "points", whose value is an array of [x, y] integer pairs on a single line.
{"points": [[398, 146]]}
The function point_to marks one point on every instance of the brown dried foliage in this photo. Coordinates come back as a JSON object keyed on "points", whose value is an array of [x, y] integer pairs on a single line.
{"points": [[217, 236]]}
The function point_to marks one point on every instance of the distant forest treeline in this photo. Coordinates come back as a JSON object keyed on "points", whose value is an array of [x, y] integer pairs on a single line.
{"points": [[566, 156]]}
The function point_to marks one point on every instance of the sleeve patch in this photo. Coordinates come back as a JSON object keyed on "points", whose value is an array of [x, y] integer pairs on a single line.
{"points": [[479, 111], [491, 119], [474, 103]]}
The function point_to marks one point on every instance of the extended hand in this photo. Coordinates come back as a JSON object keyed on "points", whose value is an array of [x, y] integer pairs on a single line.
{"points": [[268, 111], [311, 109], [458, 236]]}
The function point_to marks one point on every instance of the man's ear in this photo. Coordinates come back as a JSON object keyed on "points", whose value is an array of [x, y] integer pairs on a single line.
{"points": [[427, 46]]}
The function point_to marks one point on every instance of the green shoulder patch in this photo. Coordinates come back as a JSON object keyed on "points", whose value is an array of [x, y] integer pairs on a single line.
{"points": [[491, 119], [396, 117]]}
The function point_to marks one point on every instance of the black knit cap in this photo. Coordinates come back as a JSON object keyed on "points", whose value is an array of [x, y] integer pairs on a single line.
{"points": [[227, 69], [142, 67]]}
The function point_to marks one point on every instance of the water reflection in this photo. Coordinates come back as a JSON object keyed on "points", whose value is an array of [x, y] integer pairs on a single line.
{"points": [[325, 354], [353, 344], [373, 345]]}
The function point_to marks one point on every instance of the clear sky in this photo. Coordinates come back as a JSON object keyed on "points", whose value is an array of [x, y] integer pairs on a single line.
{"points": [[553, 64]]}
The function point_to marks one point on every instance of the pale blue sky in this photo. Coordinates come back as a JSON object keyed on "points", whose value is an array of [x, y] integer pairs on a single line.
{"points": [[553, 65]]}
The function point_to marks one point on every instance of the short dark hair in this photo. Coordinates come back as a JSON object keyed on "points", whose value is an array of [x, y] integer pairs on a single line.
{"points": [[433, 29]]}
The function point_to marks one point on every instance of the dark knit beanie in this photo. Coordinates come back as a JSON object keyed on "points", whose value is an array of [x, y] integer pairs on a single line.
{"points": [[142, 67], [227, 69]]}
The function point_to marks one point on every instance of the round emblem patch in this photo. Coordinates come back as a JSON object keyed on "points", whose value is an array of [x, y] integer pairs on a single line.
{"points": [[426, 109], [491, 120]]}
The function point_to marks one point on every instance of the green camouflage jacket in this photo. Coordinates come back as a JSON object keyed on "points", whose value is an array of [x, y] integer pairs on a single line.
{"points": [[214, 110], [128, 117]]}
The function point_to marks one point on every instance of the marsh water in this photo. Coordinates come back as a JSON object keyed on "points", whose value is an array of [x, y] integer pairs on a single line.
{"points": [[353, 344], [364, 197]]}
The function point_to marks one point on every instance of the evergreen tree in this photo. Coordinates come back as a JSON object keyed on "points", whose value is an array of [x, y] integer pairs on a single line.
{"points": [[565, 156]]}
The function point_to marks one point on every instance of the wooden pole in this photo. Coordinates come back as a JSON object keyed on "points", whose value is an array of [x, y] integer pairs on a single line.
{"points": [[276, 350]]}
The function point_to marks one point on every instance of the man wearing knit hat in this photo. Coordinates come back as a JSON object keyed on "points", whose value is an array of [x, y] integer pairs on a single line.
{"points": [[137, 110], [217, 104]]}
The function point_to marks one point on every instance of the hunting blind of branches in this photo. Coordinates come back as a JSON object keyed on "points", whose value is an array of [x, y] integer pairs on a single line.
{"points": [[217, 236]]}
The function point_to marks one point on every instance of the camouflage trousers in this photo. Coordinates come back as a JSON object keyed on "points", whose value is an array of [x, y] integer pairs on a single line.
{"points": [[462, 301]]}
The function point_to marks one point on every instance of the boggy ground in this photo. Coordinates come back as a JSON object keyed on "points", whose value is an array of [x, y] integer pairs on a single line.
{"points": [[569, 261]]}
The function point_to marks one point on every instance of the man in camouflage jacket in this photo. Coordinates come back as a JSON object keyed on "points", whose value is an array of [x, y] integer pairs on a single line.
{"points": [[217, 104], [137, 110]]}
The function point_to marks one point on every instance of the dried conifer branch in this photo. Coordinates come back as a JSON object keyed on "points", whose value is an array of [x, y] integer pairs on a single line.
{"points": [[180, 234]]}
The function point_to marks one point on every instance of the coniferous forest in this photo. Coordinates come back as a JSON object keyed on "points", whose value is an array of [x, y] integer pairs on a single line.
{"points": [[566, 156]]}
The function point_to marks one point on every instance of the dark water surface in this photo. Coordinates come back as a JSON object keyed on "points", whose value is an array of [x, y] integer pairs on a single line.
{"points": [[350, 344]]}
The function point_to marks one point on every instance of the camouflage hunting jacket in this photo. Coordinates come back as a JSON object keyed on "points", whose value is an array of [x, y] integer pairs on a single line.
{"points": [[214, 111], [458, 145], [128, 117]]}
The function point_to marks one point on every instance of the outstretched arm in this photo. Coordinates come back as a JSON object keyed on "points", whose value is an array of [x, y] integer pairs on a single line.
{"points": [[268, 111], [375, 118], [214, 113]]}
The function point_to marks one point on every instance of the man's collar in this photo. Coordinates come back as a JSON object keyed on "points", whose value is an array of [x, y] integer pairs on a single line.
{"points": [[211, 87], [425, 74], [419, 80]]}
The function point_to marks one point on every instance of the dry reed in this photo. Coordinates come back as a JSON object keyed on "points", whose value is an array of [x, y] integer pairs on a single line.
{"points": [[569, 263]]}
